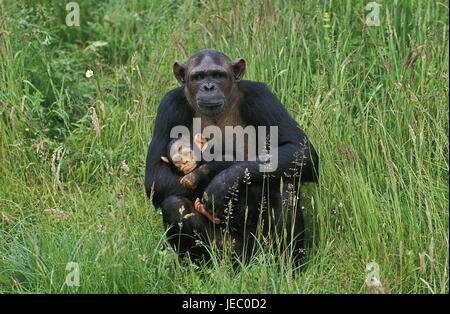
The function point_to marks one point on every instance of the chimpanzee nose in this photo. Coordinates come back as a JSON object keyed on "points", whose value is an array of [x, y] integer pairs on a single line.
{"points": [[208, 87]]}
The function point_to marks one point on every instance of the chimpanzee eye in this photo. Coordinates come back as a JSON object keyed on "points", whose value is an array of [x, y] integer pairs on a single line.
{"points": [[198, 77], [217, 75]]}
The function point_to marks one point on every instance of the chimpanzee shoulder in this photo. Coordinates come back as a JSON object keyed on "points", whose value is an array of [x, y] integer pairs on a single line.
{"points": [[252, 88], [256, 92], [175, 108], [174, 98], [259, 104]]}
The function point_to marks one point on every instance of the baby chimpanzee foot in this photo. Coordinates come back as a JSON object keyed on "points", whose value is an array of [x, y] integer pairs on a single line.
{"points": [[201, 209]]}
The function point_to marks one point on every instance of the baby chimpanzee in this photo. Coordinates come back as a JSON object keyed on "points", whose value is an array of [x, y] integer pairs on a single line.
{"points": [[181, 155]]}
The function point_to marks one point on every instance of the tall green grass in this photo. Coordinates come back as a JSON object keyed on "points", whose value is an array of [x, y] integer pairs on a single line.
{"points": [[373, 100]]}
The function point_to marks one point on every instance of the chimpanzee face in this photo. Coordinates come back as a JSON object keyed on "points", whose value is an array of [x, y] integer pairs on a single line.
{"points": [[210, 86], [209, 80], [183, 158], [181, 155]]}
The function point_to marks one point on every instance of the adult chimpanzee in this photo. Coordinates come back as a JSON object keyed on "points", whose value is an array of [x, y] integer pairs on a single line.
{"points": [[238, 194]]}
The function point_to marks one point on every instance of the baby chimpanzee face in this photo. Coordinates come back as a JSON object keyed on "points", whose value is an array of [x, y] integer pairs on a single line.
{"points": [[181, 154]]}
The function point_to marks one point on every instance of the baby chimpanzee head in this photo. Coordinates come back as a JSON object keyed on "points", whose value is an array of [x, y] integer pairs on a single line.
{"points": [[181, 154]]}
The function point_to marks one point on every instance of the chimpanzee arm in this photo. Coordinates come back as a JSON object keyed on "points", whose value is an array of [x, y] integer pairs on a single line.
{"points": [[295, 154], [203, 174], [160, 180]]}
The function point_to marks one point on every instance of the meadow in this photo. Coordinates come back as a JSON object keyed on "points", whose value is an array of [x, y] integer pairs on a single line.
{"points": [[372, 97]]}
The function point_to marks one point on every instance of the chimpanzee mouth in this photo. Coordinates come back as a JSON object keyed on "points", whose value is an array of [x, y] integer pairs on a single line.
{"points": [[210, 109], [209, 105]]}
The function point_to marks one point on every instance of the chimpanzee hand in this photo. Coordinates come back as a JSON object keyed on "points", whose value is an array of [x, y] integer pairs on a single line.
{"points": [[190, 180]]}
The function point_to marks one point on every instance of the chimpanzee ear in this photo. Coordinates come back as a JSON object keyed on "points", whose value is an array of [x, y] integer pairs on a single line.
{"points": [[200, 141], [165, 159], [238, 67], [179, 70]]}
